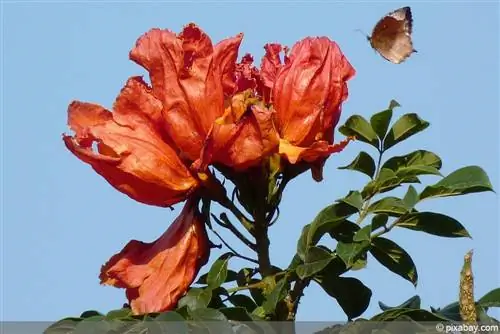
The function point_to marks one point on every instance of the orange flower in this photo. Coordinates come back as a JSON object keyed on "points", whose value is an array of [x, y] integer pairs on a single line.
{"points": [[242, 137], [131, 154], [191, 77], [156, 275], [307, 93]]}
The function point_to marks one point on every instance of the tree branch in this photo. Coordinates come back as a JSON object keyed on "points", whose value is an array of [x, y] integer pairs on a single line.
{"points": [[233, 250]]}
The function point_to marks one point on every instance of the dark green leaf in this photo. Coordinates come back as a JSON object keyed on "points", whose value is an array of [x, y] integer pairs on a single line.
{"points": [[296, 261], [467, 180], [119, 314], [419, 158], [380, 121], [90, 313], [491, 299], [364, 234], [379, 221], [405, 127], [213, 320], [405, 313], [344, 231], [412, 303], [243, 301], [394, 258], [244, 276], [276, 295], [236, 313], [363, 163], [353, 199], [351, 294], [170, 322], [451, 312], [392, 206], [196, 298], [63, 326], [218, 272], [256, 293], [324, 221], [231, 276], [350, 252], [359, 127], [435, 224], [386, 181], [411, 197], [95, 324], [316, 260]]}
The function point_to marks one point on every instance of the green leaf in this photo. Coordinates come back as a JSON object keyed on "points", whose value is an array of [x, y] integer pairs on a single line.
{"points": [[196, 298], [491, 299], [467, 180], [419, 158], [405, 127], [119, 314], [364, 234], [324, 221], [218, 272], [434, 223], [351, 294], [93, 324], [243, 301], [386, 181], [256, 293], [412, 303], [276, 295], [363, 163], [231, 276], [451, 312], [403, 314], [358, 126], [351, 252], [63, 326], [212, 319], [236, 313], [316, 260], [344, 231], [170, 322], [411, 197], [379, 221], [380, 121], [353, 199], [391, 206], [394, 258]]}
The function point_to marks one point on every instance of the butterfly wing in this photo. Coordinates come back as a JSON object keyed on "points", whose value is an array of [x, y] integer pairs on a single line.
{"points": [[391, 36]]}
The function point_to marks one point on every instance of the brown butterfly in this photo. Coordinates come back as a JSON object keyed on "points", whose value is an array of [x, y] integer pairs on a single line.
{"points": [[391, 36]]}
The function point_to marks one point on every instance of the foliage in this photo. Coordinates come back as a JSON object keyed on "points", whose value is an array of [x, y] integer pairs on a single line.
{"points": [[357, 225]]}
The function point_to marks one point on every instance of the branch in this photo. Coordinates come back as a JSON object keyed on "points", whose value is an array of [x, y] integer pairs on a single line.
{"points": [[294, 296], [233, 250], [227, 224]]}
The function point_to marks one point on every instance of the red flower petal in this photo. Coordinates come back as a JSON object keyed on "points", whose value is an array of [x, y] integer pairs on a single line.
{"points": [[131, 154], [157, 274]]}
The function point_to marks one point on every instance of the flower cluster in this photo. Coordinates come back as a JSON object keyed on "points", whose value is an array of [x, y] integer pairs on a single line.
{"points": [[203, 108]]}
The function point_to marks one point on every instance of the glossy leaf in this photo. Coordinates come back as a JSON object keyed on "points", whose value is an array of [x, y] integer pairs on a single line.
{"points": [[351, 294], [381, 120], [243, 301], [405, 313], [213, 320], [353, 199], [363, 163], [379, 221], [350, 252], [391, 206], [236, 313], [171, 322], [119, 314], [405, 127], [412, 303], [416, 159], [316, 260], [411, 198], [394, 258], [435, 224], [218, 272], [491, 299], [359, 127], [467, 180], [231, 276], [276, 295], [364, 234], [63, 326], [344, 231], [328, 218], [196, 298]]}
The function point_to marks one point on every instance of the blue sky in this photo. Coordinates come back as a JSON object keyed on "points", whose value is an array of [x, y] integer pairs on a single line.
{"points": [[61, 221]]}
